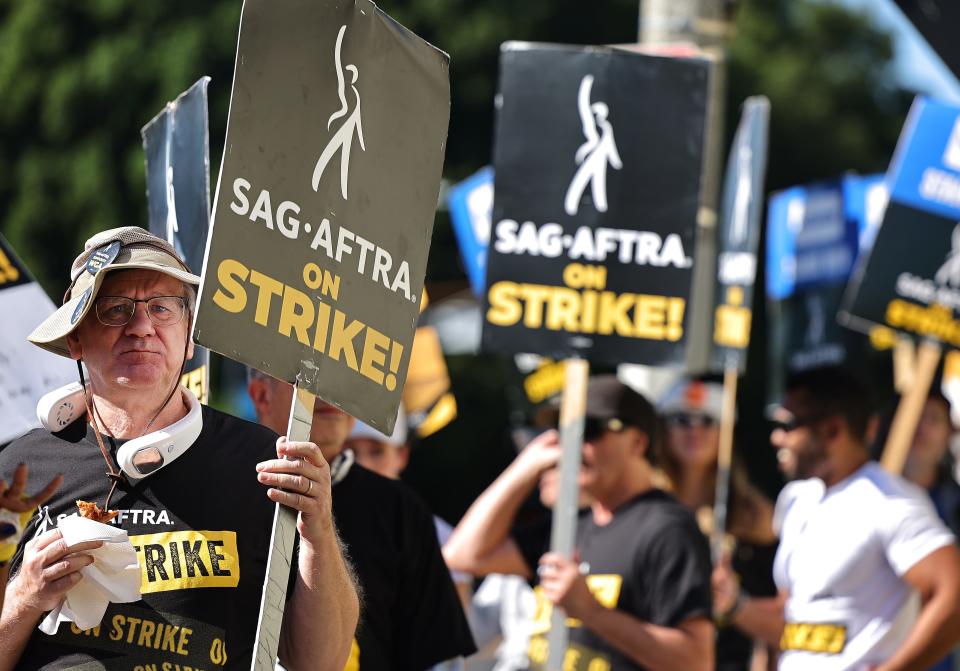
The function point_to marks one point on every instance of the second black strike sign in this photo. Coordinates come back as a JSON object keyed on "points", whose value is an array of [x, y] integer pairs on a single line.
{"points": [[597, 175]]}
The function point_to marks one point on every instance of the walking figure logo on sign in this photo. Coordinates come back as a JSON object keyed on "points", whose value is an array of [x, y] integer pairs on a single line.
{"points": [[594, 154], [949, 272], [343, 138]]}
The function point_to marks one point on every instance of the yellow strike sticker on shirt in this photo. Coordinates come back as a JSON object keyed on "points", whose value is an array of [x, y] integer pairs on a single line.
{"points": [[829, 638], [187, 560], [605, 589]]}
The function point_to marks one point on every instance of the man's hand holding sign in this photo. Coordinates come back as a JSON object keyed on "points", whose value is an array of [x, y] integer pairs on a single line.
{"points": [[321, 230]]}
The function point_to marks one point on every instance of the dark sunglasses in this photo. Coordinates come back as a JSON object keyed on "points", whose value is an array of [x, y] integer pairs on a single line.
{"points": [[688, 420], [594, 427], [795, 423]]}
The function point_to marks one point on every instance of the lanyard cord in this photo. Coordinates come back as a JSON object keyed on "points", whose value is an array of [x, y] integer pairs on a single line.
{"points": [[113, 474]]}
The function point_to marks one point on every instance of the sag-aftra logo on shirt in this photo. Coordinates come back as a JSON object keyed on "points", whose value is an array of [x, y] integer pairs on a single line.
{"points": [[187, 560]]}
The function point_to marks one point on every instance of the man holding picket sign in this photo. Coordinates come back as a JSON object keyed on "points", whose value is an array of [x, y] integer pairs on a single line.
{"points": [[314, 274], [858, 543], [590, 260], [639, 584], [185, 480]]}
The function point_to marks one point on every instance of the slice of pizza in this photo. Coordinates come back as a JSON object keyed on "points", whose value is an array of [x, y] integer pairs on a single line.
{"points": [[93, 512]]}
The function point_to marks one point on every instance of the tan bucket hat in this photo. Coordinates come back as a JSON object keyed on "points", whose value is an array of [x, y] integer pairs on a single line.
{"points": [[125, 248]]}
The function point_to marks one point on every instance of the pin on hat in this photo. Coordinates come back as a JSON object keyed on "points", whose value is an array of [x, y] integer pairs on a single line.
{"points": [[693, 396], [125, 248]]}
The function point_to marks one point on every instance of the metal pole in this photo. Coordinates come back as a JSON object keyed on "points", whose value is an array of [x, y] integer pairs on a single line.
{"points": [[564, 524]]}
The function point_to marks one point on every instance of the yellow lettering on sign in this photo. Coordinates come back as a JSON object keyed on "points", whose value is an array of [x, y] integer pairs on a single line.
{"points": [[196, 381], [935, 321], [586, 311], [360, 347], [187, 560]]}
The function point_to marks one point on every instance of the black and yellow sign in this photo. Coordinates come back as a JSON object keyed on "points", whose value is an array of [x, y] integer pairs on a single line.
{"points": [[911, 280], [597, 175], [739, 237], [326, 199], [12, 271]]}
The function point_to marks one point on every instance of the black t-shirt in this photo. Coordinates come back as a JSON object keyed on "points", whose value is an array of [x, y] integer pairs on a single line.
{"points": [[201, 527], [411, 617], [650, 561]]}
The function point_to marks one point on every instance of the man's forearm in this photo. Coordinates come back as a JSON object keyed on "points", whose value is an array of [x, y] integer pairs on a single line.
{"points": [[321, 618], [933, 634], [652, 646], [16, 625], [761, 618], [487, 522]]}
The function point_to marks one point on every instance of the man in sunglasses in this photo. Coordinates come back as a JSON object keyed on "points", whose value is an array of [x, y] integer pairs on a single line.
{"points": [[857, 546], [638, 591], [199, 516]]}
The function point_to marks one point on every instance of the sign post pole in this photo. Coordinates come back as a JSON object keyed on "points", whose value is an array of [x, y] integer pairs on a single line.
{"points": [[911, 407], [724, 459], [904, 363], [274, 598], [564, 523]]}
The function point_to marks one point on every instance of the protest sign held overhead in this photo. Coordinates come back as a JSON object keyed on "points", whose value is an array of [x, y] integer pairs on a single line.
{"points": [[739, 236], [326, 199], [598, 162], [815, 233], [910, 281], [26, 372], [177, 147]]}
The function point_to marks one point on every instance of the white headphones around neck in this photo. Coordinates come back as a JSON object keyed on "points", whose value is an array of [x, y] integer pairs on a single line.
{"points": [[138, 457]]}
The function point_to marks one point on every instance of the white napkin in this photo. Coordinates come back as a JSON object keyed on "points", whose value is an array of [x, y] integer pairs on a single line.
{"points": [[113, 576]]}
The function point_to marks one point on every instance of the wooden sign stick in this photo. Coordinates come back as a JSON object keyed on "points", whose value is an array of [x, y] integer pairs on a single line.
{"points": [[274, 598], [904, 363], [724, 459], [910, 408], [564, 525]]}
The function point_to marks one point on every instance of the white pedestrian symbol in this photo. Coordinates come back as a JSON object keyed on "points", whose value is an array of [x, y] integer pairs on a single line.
{"points": [[949, 272], [172, 226], [343, 138], [741, 199], [594, 154]]}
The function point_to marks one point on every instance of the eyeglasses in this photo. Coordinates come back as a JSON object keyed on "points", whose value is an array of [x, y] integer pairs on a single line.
{"points": [[689, 420], [119, 310]]}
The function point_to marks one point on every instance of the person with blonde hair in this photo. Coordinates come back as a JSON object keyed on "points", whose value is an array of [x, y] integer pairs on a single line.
{"points": [[688, 469]]}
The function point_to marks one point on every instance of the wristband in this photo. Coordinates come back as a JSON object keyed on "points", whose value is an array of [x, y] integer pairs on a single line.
{"points": [[725, 619]]}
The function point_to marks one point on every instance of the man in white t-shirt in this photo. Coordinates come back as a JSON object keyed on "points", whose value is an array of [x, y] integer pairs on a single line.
{"points": [[869, 577]]}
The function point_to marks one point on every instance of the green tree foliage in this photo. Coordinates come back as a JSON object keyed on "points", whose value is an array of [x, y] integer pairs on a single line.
{"points": [[827, 73], [79, 79]]}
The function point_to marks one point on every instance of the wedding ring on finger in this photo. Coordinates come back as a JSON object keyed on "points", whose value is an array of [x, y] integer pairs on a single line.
{"points": [[309, 487]]}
